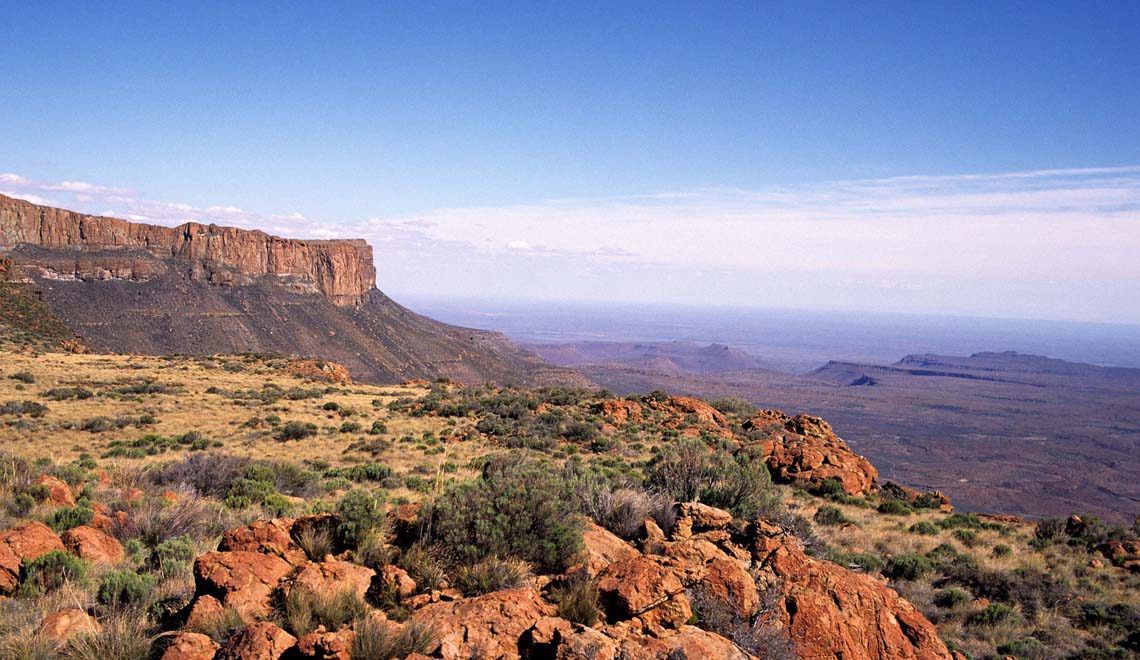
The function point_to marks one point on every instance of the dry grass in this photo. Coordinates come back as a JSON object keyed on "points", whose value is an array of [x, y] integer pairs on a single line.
{"points": [[219, 418]]}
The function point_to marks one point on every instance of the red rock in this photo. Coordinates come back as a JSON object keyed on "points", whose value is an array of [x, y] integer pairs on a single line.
{"points": [[398, 580], [829, 611], [329, 372], [321, 524], [169, 496], [324, 645], [806, 452], [20, 544], [551, 637], [259, 641], [265, 536], [185, 646], [132, 494], [643, 588], [65, 624], [603, 548], [686, 642], [618, 412], [332, 577], [242, 580], [203, 610], [728, 582], [59, 493], [487, 626], [93, 545]]}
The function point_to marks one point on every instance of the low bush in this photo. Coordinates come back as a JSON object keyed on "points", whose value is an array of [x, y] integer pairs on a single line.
{"points": [[924, 528], [894, 508], [907, 566], [690, 470], [296, 431], [51, 571], [172, 555], [25, 377], [65, 518], [951, 598], [360, 513], [124, 588], [830, 515], [991, 615], [519, 508]]}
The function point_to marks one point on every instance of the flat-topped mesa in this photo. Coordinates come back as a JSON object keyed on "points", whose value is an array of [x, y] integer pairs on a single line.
{"points": [[92, 247]]}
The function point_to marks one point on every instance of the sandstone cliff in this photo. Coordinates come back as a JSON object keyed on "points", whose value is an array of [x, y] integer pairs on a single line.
{"points": [[94, 247]]}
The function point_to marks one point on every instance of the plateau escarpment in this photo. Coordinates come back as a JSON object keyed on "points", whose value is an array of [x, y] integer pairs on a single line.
{"points": [[203, 289], [88, 247]]}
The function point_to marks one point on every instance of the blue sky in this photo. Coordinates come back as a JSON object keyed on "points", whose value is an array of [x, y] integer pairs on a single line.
{"points": [[534, 150]]}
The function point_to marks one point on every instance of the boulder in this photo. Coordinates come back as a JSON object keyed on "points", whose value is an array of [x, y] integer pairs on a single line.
{"points": [[203, 610], [93, 545], [397, 580], [641, 587], [619, 412], [603, 548], [488, 626], [181, 645], [270, 537], [828, 611], [59, 493], [23, 543], [259, 641], [63, 625], [551, 637], [332, 577], [242, 580], [686, 642], [805, 451], [728, 582], [702, 517], [323, 645]]}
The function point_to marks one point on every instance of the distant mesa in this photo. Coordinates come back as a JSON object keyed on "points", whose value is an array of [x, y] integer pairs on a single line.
{"points": [[203, 289]]}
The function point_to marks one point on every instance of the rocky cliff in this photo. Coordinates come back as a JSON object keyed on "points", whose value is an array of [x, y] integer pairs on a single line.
{"points": [[90, 247]]}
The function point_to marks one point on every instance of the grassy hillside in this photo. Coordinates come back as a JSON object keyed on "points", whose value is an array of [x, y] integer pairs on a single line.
{"points": [[307, 443]]}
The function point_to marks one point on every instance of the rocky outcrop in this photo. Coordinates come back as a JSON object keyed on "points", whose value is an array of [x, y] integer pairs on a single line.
{"points": [[21, 544], [830, 612], [484, 627], [102, 248], [59, 493], [184, 646], [260, 641], [245, 581], [803, 450], [93, 545]]}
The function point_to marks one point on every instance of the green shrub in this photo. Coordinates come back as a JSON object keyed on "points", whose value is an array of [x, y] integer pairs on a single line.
{"points": [[950, 598], [1002, 550], [423, 564], [21, 505], [1026, 647], [296, 431], [894, 508], [378, 427], [171, 555], [863, 561], [967, 537], [520, 508], [830, 515], [734, 406], [360, 513], [993, 614], [907, 566], [65, 518], [51, 571], [690, 470], [26, 377], [924, 528], [123, 588]]}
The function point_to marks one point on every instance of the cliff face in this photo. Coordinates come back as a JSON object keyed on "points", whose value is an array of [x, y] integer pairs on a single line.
{"points": [[89, 247]]}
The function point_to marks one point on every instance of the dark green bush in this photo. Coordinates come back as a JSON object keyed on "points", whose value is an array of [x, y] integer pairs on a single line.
{"points": [[66, 518], [51, 571], [171, 555], [296, 431], [1002, 550], [830, 515], [925, 528], [519, 508], [992, 614], [23, 377], [907, 566], [894, 508], [124, 588], [950, 598], [360, 513]]}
